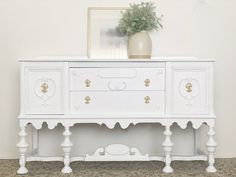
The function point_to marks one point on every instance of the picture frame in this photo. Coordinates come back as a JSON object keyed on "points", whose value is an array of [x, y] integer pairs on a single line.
{"points": [[103, 39]]}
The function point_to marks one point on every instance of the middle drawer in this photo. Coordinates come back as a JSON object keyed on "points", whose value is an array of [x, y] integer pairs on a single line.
{"points": [[117, 79]]}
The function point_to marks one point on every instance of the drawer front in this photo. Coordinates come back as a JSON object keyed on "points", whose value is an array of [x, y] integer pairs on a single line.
{"points": [[189, 88], [117, 79], [103, 102], [43, 89]]}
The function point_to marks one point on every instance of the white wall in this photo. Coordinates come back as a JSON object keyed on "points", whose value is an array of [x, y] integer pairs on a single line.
{"points": [[203, 28]]}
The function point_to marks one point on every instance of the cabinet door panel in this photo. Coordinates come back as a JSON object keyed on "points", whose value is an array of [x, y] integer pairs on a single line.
{"points": [[44, 89], [189, 88]]}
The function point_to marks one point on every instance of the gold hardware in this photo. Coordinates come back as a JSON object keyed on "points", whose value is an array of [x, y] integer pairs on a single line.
{"points": [[87, 83], [87, 99], [147, 82], [147, 99], [189, 87], [44, 87]]}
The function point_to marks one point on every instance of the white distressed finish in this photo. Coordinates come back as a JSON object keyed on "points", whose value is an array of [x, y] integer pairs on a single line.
{"points": [[70, 90]]}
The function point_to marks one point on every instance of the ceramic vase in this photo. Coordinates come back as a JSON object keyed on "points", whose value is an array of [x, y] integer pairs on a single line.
{"points": [[140, 46]]}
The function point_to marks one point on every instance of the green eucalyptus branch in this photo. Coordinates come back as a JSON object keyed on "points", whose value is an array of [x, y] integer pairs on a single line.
{"points": [[139, 17]]}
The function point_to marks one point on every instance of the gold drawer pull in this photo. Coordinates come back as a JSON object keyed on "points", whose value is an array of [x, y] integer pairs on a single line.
{"points": [[147, 99], [189, 87], [87, 99], [87, 83], [147, 82], [44, 87]]}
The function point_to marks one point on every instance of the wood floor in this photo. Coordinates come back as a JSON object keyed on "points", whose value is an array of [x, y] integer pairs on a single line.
{"points": [[226, 168]]}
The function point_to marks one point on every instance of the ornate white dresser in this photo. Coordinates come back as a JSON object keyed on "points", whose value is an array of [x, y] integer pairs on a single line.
{"points": [[73, 90]]}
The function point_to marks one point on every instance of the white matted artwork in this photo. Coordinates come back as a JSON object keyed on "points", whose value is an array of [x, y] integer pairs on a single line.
{"points": [[104, 40]]}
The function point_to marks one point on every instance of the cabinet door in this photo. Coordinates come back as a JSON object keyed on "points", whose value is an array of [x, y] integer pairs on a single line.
{"points": [[43, 88], [189, 88]]}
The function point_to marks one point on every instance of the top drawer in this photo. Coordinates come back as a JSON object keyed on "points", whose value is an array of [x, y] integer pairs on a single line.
{"points": [[116, 79]]}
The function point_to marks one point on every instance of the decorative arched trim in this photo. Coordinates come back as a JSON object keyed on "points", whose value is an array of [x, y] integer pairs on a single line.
{"points": [[124, 124]]}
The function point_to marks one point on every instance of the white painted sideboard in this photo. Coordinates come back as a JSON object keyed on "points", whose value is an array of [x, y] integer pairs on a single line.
{"points": [[74, 90]]}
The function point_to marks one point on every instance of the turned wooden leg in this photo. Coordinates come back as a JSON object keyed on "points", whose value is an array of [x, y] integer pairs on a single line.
{"points": [[22, 146], [66, 146], [211, 147], [167, 145]]}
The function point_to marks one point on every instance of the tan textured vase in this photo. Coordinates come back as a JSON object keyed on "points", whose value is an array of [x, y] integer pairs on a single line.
{"points": [[140, 46]]}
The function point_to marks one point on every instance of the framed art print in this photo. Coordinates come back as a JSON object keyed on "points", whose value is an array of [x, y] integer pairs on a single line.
{"points": [[104, 40]]}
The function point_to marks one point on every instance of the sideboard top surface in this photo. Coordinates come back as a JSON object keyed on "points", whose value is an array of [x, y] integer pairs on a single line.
{"points": [[86, 59]]}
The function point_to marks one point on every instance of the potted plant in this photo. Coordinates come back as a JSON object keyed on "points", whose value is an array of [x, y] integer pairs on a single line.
{"points": [[136, 22]]}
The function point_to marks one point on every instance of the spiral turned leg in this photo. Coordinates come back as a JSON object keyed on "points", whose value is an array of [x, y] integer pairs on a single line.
{"points": [[22, 146], [167, 145], [66, 146], [211, 147]]}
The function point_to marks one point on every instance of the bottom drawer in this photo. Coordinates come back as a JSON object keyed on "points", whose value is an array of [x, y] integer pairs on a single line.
{"points": [[119, 102]]}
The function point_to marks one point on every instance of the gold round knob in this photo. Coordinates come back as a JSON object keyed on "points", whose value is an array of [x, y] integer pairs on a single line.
{"points": [[147, 99], [189, 87], [87, 99], [87, 83], [147, 82], [44, 87]]}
